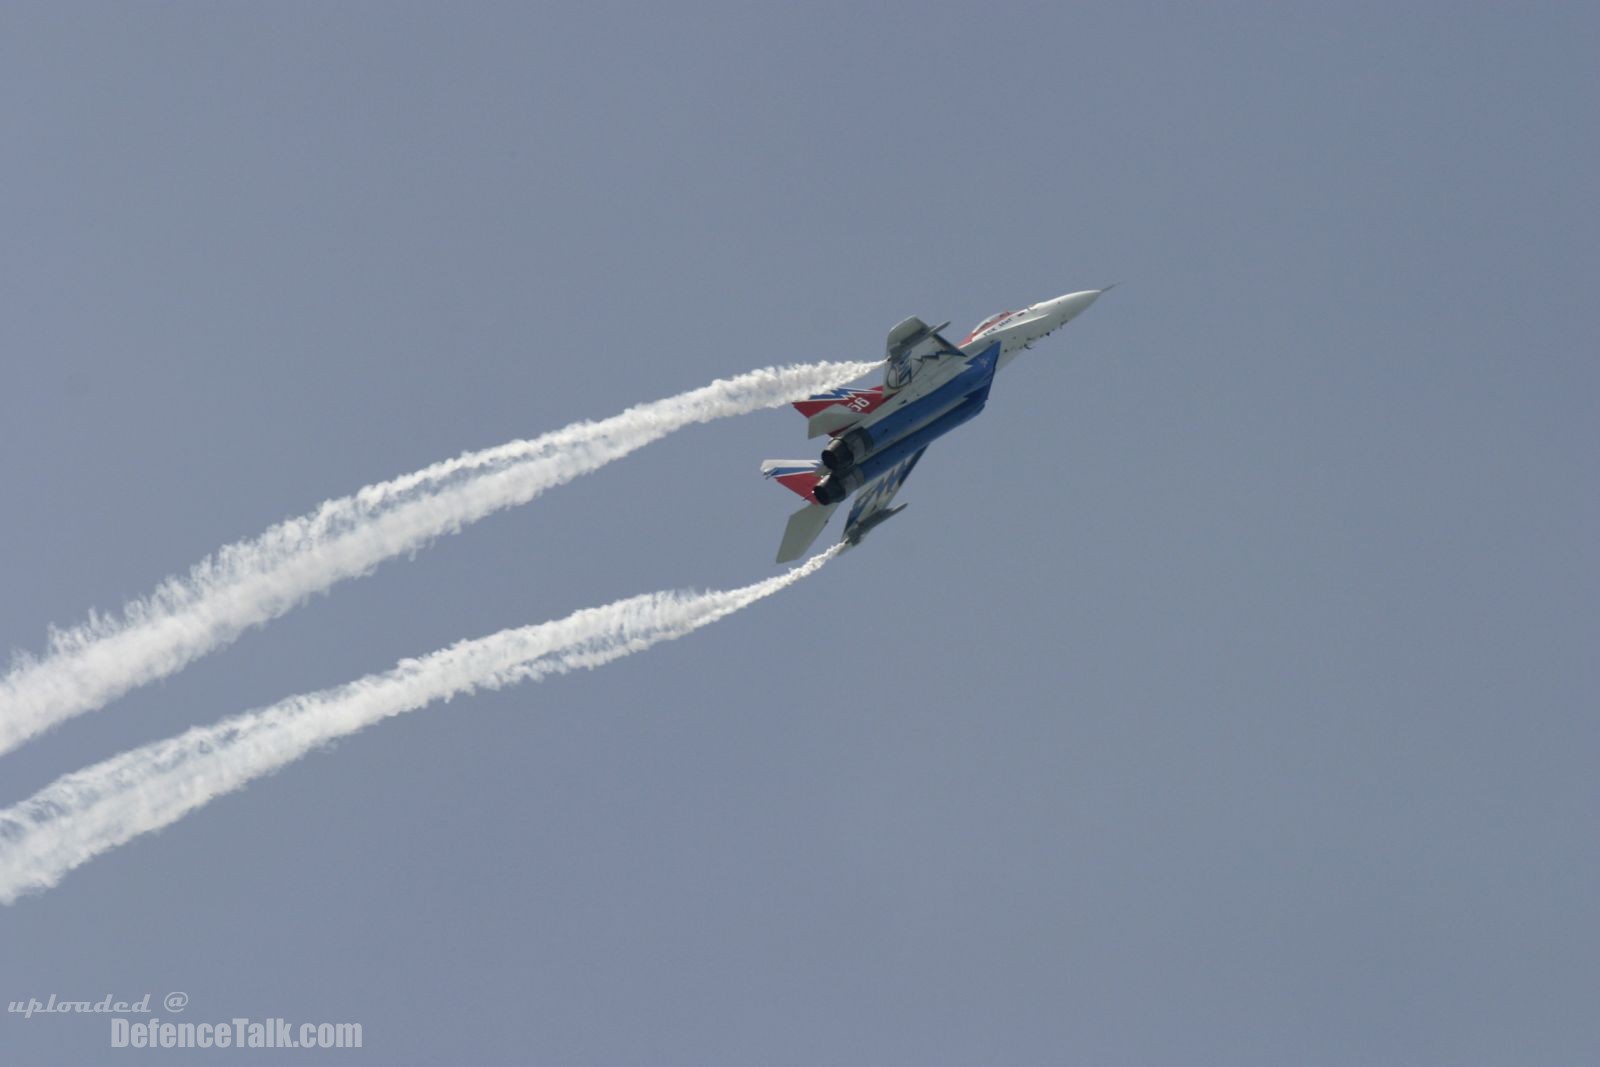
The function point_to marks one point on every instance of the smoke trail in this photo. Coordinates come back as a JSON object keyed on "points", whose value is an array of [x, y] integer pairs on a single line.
{"points": [[251, 582], [83, 814]]}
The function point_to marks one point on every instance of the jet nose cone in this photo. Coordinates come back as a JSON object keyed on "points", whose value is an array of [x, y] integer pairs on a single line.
{"points": [[1066, 308]]}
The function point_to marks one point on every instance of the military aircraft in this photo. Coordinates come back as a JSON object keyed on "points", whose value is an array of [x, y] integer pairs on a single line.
{"points": [[930, 387]]}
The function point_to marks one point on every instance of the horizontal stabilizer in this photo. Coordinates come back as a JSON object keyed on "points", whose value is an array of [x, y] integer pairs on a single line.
{"points": [[796, 475], [804, 526]]}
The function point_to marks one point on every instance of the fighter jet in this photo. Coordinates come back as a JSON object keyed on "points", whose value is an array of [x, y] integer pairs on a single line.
{"points": [[930, 387]]}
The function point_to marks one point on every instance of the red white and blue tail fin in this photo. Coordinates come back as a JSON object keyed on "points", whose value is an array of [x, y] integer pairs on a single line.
{"points": [[799, 476], [796, 475], [861, 401], [838, 409]]}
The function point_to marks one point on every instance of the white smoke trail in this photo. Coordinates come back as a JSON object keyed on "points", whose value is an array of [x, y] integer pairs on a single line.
{"points": [[251, 582], [85, 813]]}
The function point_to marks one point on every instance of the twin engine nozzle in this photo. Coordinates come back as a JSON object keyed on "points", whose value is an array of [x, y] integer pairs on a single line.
{"points": [[829, 491], [836, 486], [841, 457], [846, 450]]}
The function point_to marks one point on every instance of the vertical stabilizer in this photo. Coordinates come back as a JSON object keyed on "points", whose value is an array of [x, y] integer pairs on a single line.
{"points": [[804, 526]]}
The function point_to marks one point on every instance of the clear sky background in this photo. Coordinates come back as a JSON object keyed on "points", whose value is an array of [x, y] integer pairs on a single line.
{"points": [[1227, 694]]}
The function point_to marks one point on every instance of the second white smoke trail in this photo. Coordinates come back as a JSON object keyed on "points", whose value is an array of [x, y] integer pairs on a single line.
{"points": [[251, 582], [90, 811]]}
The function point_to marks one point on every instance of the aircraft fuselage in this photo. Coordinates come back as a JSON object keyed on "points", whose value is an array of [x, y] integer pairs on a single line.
{"points": [[938, 400], [879, 433]]}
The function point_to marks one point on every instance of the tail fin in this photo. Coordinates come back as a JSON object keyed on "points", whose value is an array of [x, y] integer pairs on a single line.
{"points": [[860, 401], [796, 475], [804, 526], [838, 409], [799, 476]]}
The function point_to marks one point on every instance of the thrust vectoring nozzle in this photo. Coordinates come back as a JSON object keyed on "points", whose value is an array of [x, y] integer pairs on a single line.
{"points": [[839, 455]]}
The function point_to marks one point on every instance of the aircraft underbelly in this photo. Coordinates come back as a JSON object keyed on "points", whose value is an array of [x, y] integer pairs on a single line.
{"points": [[885, 430], [894, 451]]}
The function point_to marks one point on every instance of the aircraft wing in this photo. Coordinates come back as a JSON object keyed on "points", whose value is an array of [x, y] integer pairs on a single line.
{"points": [[873, 500]]}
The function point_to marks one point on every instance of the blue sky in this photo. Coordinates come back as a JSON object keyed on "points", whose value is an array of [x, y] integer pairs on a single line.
{"points": [[1226, 693]]}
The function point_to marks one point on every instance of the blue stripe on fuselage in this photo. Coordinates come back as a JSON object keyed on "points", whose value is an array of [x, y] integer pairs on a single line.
{"points": [[885, 458], [977, 375]]}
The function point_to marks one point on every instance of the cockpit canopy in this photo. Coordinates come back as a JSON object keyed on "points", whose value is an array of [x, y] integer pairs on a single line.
{"points": [[993, 320]]}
